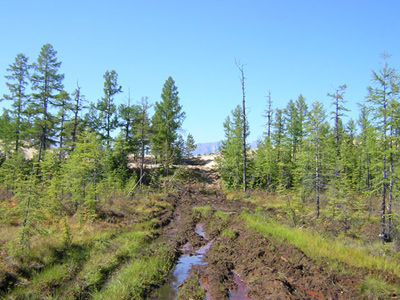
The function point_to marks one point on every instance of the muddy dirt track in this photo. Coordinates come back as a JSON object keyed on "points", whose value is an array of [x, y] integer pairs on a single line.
{"points": [[240, 258]]}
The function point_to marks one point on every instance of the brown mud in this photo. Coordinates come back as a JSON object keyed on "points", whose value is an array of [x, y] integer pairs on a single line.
{"points": [[240, 263]]}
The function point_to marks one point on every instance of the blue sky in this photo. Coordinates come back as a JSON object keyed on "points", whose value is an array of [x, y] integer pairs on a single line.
{"points": [[288, 48]]}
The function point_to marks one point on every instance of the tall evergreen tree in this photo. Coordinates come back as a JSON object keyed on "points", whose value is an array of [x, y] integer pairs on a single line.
{"points": [[77, 106], [107, 112], [339, 111], [47, 83], [316, 121], [166, 122], [64, 105], [18, 76], [142, 130], [269, 113], [383, 97], [230, 162], [190, 145]]}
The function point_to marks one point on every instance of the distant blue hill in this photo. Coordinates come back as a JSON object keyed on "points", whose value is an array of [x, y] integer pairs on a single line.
{"points": [[207, 148]]}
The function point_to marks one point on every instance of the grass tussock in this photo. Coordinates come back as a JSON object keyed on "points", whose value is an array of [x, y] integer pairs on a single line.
{"points": [[205, 211], [377, 288]]}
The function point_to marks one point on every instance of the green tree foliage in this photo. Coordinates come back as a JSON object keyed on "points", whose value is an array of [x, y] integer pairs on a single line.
{"points": [[18, 77], [142, 130], [190, 145], [76, 125], [230, 161], [82, 173], [265, 167], [295, 115], [106, 121], [46, 84], [64, 106], [7, 136], [166, 123], [383, 98]]}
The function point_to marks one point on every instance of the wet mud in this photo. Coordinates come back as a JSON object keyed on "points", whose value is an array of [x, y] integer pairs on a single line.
{"points": [[220, 258]]}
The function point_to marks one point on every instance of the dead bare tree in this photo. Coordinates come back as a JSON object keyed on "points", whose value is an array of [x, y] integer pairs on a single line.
{"points": [[244, 134]]}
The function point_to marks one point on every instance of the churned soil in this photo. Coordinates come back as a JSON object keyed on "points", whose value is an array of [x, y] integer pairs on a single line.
{"points": [[266, 268]]}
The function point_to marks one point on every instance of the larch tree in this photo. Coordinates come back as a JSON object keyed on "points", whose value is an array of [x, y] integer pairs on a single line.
{"points": [[269, 113], [166, 122], [128, 144], [338, 104], [46, 84], [78, 104], [18, 79], [383, 97], [107, 111], [190, 145], [230, 162], [244, 124], [142, 130], [316, 121], [63, 103]]}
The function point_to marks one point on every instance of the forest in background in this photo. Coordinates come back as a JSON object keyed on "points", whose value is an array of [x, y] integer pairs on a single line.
{"points": [[312, 155], [62, 155], [64, 165]]}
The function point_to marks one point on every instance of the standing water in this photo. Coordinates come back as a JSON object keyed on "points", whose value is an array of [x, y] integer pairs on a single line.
{"points": [[186, 261]]}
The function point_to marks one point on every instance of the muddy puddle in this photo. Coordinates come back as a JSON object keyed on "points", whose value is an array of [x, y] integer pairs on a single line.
{"points": [[192, 258], [185, 263], [241, 292]]}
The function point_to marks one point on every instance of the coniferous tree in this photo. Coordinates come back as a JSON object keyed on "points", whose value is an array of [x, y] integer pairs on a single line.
{"points": [[283, 152], [62, 102], [383, 99], [190, 145], [47, 83], [82, 173], [316, 121], [295, 115], [230, 162], [18, 80], [244, 125], [166, 121], [367, 140], [107, 120], [269, 112], [142, 130], [128, 115], [77, 106]]}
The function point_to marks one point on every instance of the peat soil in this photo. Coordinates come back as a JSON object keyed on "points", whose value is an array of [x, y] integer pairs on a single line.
{"points": [[242, 264]]}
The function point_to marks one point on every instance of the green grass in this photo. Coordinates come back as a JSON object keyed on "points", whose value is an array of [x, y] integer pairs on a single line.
{"points": [[229, 233], [86, 264], [376, 288], [105, 260], [136, 277], [221, 214], [203, 210], [316, 247]]}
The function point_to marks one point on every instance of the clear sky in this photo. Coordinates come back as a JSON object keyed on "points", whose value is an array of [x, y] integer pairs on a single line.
{"points": [[288, 47]]}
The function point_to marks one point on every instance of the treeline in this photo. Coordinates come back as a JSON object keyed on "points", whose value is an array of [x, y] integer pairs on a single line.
{"points": [[310, 152], [80, 148]]}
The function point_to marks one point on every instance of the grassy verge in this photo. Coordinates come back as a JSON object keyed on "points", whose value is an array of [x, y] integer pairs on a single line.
{"points": [[82, 263], [135, 279], [322, 249]]}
